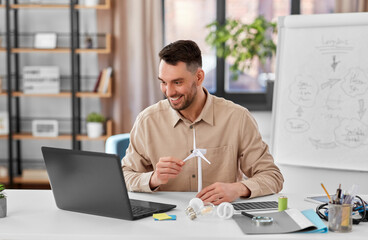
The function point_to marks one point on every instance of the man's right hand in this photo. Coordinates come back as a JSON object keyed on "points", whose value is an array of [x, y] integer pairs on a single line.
{"points": [[166, 168]]}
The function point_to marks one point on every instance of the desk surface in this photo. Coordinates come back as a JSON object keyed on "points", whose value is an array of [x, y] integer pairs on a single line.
{"points": [[32, 214]]}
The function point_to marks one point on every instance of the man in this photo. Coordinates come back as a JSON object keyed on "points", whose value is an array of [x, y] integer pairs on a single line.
{"points": [[162, 137]]}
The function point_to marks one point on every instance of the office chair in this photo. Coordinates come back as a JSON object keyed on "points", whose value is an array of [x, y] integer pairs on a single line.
{"points": [[117, 144]]}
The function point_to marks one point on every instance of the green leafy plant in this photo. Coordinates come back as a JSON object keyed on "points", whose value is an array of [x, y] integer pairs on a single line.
{"points": [[2, 188], [243, 42], [95, 117]]}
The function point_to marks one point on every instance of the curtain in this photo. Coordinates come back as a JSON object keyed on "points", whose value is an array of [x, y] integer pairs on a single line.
{"points": [[144, 42], [343, 6], [137, 40]]}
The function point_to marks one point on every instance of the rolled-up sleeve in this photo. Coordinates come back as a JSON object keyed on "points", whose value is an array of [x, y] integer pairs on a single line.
{"points": [[136, 167], [263, 176]]}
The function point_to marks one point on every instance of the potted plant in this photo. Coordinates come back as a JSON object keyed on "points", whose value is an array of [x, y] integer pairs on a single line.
{"points": [[243, 43], [95, 123], [2, 201]]}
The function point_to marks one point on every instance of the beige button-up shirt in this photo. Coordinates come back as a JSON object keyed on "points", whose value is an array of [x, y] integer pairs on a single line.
{"points": [[226, 130]]}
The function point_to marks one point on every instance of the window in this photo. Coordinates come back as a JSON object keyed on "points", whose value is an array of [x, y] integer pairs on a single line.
{"points": [[253, 80], [317, 7], [186, 19]]}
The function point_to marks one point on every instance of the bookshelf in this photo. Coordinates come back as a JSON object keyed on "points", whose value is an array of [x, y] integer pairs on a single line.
{"points": [[18, 135]]}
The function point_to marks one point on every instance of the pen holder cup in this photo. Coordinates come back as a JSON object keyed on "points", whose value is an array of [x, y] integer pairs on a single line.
{"points": [[340, 217]]}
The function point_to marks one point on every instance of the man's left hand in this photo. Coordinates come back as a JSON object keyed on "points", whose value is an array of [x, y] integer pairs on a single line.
{"points": [[223, 192]]}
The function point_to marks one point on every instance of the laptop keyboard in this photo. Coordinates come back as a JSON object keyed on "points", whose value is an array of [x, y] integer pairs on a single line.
{"points": [[256, 206], [138, 210]]}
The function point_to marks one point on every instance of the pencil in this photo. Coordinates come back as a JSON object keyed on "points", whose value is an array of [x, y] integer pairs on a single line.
{"points": [[328, 195]]}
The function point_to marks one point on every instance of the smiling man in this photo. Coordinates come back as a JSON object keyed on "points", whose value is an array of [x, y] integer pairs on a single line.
{"points": [[162, 136]]}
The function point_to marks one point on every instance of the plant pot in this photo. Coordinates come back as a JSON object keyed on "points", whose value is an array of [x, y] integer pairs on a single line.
{"points": [[94, 129], [91, 3], [2, 207]]}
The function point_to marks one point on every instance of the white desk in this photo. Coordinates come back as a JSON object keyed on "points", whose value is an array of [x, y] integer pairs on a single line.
{"points": [[32, 214]]}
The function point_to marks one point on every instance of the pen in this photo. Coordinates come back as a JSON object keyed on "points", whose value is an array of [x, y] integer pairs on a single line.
{"points": [[328, 195], [247, 214]]}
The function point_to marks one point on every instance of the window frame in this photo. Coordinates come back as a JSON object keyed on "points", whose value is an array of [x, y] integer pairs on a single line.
{"points": [[252, 101]]}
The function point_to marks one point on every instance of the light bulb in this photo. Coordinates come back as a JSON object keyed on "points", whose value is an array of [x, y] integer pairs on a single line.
{"points": [[198, 208]]}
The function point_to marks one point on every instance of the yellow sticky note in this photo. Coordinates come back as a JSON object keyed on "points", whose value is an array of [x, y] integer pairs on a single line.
{"points": [[161, 216]]}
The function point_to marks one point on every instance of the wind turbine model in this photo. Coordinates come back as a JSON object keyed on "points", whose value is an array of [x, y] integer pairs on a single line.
{"points": [[199, 154]]}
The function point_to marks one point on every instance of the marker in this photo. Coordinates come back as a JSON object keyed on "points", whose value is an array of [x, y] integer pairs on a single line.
{"points": [[338, 195]]}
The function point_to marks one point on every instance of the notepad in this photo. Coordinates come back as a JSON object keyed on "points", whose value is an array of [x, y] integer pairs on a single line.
{"points": [[288, 221], [163, 216], [316, 220]]}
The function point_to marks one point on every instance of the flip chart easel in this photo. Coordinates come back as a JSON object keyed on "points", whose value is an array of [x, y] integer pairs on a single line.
{"points": [[320, 116]]}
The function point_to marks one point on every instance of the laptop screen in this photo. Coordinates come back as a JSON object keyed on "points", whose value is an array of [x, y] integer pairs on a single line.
{"points": [[93, 183]]}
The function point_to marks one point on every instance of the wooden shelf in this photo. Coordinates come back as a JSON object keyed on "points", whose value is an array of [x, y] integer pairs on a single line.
{"points": [[2, 50], [108, 94], [4, 180], [2, 6], [62, 94], [28, 136], [105, 50], [93, 95], [32, 176], [3, 136], [19, 6], [80, 137], [31, 50], [106, 5], [3, 93]]}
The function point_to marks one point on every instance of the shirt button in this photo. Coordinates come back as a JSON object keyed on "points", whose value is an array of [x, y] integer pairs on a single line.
{"points": [[191, 126], [193, 176]]}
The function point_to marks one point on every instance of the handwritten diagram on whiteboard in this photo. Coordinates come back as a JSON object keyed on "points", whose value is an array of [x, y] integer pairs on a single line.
{"points": [[321, 92]]}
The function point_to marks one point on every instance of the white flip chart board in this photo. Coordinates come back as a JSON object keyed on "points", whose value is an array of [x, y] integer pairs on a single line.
{"points": [[320, 116]]}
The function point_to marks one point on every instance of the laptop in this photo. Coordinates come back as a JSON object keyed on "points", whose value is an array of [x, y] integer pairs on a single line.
{"points": [[93, 183]]}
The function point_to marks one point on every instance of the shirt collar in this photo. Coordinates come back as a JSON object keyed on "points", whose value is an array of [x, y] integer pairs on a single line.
{"points": [[206, 114]]}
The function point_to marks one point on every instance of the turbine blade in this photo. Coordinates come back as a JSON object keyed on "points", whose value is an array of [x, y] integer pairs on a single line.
{"points": [[203, 157], [190, 156]]}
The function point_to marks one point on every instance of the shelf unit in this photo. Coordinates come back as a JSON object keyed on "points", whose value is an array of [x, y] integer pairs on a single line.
{"points": [[16, 135]]}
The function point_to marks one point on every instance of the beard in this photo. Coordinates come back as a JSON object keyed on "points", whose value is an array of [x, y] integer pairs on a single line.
{"points": [[187, 99]]}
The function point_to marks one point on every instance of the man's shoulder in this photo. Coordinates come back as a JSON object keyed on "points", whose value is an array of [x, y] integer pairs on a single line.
{"points": [[227, 105], [154, 110]]}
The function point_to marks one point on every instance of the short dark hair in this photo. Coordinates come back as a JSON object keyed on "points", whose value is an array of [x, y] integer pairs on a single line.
{"points": [[186, 51]]}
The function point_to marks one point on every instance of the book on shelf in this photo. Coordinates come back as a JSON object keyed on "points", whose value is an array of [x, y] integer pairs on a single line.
{"points": [[105, 80], [95, 88]]}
